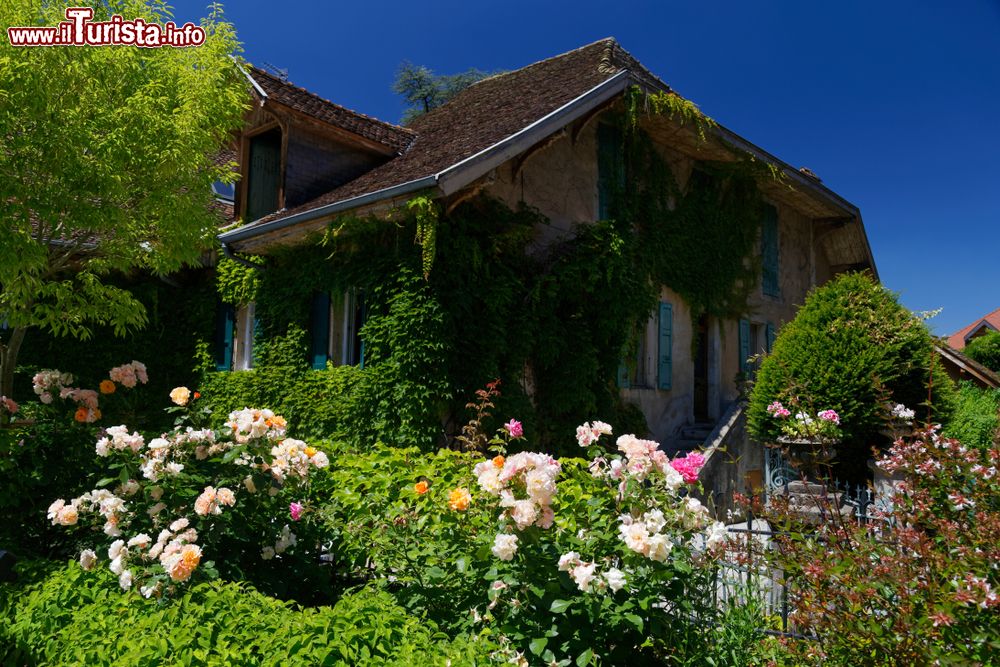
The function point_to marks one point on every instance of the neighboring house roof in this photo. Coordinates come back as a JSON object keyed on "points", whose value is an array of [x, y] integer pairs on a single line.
{"points": [[282, 92], [224, 206], [492, 121], [959, 339], [968, 368]]}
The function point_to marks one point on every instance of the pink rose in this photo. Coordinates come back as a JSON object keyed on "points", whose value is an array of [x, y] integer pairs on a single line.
{"points": [[514, 428], [296, 509]]}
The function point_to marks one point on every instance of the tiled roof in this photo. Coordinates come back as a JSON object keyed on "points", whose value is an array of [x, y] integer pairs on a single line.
{"points": [[957, 339], [300, 99], [488, 112]]}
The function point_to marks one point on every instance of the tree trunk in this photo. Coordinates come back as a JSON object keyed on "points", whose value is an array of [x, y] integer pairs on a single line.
{"points": [[8, 360]]}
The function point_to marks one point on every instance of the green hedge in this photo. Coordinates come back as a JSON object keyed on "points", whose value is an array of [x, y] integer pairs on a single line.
{"points": [[976, 421], [316, 403], [79, 618]]}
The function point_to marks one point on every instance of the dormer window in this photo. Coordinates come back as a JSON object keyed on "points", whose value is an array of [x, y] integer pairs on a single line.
{"points": [[263, 175]]}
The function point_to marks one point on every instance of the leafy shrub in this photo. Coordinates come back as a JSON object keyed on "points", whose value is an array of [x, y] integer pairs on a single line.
{"points": [[533, 548], [851, 348], [976, 419], [985, 349], [920, 588], [73, 617]]}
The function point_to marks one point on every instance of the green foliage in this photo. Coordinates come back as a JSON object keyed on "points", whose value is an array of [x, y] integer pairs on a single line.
{"points": [[986, 350], [976, 420], [316, 403], [237, 283], [73, 617], [672, 105], [422, 90], [425, 211], [852, 348], [110, 153], [180, 314]]}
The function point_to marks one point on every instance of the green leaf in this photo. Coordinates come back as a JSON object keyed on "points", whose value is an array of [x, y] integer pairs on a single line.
{"points": [[584, 658], [635, 620], [560, 606], [537, 645]]}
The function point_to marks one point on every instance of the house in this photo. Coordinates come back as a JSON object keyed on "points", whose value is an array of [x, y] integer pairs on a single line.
{"points": [[987, 323], [541, 136], [961, 368]]}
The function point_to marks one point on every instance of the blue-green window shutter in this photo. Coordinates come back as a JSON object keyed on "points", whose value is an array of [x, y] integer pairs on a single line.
{"points": [[224, 324], [771, 335], [610, 167], [361, 323], [769, 252], [319, 330], [665, 355], [744, 345], [623, 376]]}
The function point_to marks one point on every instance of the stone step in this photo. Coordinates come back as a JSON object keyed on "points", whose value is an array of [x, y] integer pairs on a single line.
{"points": [[674, 446]]}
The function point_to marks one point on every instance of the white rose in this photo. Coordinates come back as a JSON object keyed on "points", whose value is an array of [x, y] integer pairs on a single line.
{"points": [[615, 579], [505, 546], [87, 559], [568, 560], [583, 575], [659, 547]]}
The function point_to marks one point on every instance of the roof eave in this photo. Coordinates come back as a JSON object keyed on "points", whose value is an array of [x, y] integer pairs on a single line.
{"points": [[456, 176]]}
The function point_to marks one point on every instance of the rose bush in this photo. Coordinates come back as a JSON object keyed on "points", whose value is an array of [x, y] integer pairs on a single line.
{"points": [[195, 501]]}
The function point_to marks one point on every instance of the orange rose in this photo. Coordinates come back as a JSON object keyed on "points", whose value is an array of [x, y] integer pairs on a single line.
{"points": [[459, 499], [311, 451], [81, 415], [107, 387], [498, 461], [421, 487]]}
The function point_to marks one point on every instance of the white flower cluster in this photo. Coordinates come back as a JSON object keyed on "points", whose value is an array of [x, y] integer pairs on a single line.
{"points": [[252, 423], [586, 576], [47, 383], [285, 541], [903, 413], [102, 501], [175, 551], [119, 439], [587, 433], [529, 473], [293, 458]]}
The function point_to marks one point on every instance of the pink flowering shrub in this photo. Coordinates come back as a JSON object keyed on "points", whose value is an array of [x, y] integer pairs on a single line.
{"points": [[920, 587], [177, 500], [50, 385]]}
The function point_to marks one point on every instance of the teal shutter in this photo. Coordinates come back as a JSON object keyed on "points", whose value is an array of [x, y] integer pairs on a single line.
{"points": [[224, 325], [319, 330], [665, 356], [623, 379], [769, 252], [771, 335], [744, 345], [610, 168]]}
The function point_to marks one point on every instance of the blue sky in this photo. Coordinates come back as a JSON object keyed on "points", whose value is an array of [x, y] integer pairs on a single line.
{"points": [[894, 104]]}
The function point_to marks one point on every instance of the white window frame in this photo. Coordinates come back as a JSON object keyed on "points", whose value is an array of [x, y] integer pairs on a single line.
{"points": [[243, 338]]}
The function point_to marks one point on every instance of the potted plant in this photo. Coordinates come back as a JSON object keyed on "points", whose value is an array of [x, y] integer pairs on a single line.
{"points": [[808, 441]]}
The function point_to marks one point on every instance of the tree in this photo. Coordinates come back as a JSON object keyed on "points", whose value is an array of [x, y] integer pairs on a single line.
{"points": [[985, 349], [423, 90], [107, 161]]}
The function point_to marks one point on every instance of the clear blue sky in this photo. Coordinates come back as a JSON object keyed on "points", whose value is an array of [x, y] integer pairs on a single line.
{"points": [[895, 104]]}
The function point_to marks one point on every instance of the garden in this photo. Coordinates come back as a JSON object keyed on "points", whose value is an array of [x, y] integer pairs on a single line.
{"points": [[432, 506], [220, 539]]}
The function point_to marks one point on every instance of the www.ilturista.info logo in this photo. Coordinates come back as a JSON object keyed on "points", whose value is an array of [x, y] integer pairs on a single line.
{"points": [[79, 30]]}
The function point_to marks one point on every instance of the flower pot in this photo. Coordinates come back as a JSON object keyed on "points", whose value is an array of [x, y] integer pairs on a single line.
{"points": [[810, 457]]}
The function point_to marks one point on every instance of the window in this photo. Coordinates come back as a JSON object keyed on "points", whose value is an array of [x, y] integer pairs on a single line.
{"points": [[770, 267], [263, 175], [336, 329], [225, 192], [756, 340], [244, 331], [610, 168]]}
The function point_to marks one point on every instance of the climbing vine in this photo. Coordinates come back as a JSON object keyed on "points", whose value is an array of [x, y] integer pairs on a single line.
{"points": [[552, 323]]}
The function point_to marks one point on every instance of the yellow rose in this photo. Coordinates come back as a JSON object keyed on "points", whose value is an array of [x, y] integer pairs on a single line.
{"points": [[180, 395]]}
